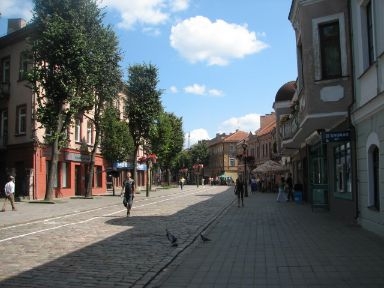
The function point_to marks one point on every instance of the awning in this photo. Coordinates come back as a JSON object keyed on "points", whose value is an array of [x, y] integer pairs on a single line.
{"points": [[270, 166]]}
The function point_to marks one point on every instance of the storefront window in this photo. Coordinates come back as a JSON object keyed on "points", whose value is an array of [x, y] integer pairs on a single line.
{"points": [[343, 177]]}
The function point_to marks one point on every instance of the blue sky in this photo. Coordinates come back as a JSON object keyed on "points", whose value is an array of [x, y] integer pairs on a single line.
{"points": [[220, 62]]}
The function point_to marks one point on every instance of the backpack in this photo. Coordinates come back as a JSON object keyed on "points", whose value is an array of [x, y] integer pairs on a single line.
{"points": [[128, 188]]}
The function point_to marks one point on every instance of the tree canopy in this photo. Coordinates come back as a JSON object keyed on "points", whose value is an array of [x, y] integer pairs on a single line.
{"points": [[64, 51], [143, 103]]}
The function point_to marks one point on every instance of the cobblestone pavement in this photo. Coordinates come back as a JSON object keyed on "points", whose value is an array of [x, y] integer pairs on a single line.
{"points": [[268, 244], [91, 242]]}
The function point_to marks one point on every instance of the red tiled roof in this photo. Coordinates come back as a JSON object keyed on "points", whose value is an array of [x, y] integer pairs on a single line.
{"points": [[236, 136], [266, 129]]}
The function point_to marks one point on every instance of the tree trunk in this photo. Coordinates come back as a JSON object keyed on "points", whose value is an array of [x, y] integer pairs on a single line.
{"points": [[91, 168], [135, 166], [52, 170]]}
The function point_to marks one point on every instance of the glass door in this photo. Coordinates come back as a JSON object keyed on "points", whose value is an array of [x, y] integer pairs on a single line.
{"points": [[318, 176]]}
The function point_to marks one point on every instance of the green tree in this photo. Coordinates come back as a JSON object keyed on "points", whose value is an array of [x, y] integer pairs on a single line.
{"points": [[143, 104], [116, 142], [183, 163], [167, 140], [107, 84], [63, 52], [199, 155]]}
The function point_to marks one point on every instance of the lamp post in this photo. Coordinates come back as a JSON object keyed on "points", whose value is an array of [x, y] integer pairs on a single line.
{"points": [[244, 145], [197, 168]]}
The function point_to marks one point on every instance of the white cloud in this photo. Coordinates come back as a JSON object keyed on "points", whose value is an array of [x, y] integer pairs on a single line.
{"points": [[179, 5], [173, 89], [202, 90], [195, 89], [195, 136], [145, 12], [16, 9], [215, 92], [247, 123], [199, 40]]}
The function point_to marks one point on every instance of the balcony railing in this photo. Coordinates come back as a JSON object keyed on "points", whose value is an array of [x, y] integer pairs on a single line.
{"points": [[290, 126]]}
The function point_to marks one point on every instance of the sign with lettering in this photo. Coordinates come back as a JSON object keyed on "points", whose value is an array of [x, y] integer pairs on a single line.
{"points": [[129, 165], [336, 136], [69, 156]]}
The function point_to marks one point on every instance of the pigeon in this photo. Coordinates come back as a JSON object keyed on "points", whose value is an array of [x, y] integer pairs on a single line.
{"points": [[205, 239], [172, 238]]}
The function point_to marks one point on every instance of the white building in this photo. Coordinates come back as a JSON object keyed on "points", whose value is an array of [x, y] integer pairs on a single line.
{"points": [[368, 109]]}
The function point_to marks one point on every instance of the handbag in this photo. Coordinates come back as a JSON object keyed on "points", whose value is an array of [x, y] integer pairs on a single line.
{"points": [[125, 201]]}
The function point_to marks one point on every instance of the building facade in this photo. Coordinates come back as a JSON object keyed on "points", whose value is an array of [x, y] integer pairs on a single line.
{"points": [[23, 153], [222, 152], [368, 109], [318, 135]]}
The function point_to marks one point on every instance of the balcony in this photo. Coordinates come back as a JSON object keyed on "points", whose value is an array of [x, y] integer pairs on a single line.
{"points": [[298, 127], [289, 126]]}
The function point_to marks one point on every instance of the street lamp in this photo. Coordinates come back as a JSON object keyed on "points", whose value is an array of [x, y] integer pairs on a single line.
{"points": [[197, 168], [244, 145]]}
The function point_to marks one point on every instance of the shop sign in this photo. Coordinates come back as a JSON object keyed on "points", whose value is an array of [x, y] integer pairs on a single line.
{"points": [[129, 165], [69, 156], [336, 136]]}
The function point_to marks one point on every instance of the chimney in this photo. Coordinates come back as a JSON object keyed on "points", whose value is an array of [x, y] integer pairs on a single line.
{"points": [[15, 24]]}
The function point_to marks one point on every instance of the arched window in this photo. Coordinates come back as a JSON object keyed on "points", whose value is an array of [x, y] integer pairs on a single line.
{"points": [[373, 177]]}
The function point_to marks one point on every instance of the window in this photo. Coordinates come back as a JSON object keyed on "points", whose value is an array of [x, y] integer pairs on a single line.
{"points": [[300, 65], [232, 162], [98, 176], [343, 177], [5, 70], [89, 133], [373, 174], [21, 120], [5, 75], [232, 149], [329, 47], [3, 127], [369, 32], [78, 130], [330, 50], [64, 174], [23, 66]]}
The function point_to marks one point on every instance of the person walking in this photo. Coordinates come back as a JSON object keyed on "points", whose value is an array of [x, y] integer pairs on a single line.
{"points": [[129, 192], [281, 195], [181, 181], [9, 190], [289, 184], [239, 189]]}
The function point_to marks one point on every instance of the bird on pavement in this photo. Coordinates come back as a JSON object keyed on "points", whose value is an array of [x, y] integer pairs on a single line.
{"points": [[172, 238], [205, 239]]}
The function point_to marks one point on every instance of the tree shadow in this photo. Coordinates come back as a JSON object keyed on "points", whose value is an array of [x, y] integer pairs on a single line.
{"points": [[133, 255]]}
